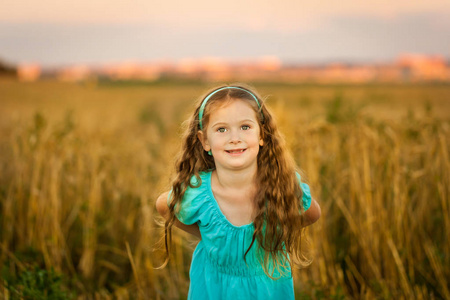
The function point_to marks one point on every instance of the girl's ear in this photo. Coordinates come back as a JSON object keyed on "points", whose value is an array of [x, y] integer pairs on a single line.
{"points": [[201, 137], [261, 142]]}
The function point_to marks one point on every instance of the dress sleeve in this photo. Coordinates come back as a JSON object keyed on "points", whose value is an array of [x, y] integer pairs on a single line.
{"points": [[306, 199], [191, 205]]}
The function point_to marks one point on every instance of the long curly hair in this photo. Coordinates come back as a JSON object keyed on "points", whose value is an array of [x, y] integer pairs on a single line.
{"points": [[278, 198]]}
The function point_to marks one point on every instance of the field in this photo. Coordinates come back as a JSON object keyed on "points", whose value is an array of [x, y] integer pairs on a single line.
{"points": [[81, 165]]}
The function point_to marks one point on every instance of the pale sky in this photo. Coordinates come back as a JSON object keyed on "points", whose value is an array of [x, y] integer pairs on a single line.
{"points": [[55, 32]]}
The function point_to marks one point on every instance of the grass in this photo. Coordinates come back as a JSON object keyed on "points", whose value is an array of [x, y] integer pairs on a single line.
{"points": [[82, 164]]}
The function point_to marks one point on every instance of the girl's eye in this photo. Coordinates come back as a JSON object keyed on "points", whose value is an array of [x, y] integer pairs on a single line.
{"points": [[245, 127], [221, 129]]}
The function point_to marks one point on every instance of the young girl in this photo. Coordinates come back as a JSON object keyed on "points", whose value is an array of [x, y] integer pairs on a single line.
{"points": [[236, 189]]}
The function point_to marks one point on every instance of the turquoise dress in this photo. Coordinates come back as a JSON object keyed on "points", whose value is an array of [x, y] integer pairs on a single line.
{"points": [[218, 269]]}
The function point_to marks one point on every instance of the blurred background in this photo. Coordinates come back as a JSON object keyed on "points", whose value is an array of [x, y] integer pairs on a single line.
{"points": [[93, 96]]}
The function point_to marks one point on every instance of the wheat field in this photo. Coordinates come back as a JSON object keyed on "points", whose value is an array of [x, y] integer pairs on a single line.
{"points": [[81, 165]]}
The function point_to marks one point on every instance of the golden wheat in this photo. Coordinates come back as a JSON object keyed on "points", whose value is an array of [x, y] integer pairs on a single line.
{"points": [[81, 167]]}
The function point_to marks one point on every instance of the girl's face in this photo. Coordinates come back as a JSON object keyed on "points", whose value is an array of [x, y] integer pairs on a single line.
{"points": [[233, 136]]}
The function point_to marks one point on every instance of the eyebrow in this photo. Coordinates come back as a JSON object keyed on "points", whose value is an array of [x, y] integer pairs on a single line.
{"points": [[241, 121]]}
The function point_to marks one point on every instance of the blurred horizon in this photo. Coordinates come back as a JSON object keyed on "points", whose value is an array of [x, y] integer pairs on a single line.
{"points": [[55, 34]]}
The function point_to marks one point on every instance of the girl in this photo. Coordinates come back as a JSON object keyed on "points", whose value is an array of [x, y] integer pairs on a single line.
{"points": [[236, 189]]}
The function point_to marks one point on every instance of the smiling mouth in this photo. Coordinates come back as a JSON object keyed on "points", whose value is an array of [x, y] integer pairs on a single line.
{"points": [[237, 151]]}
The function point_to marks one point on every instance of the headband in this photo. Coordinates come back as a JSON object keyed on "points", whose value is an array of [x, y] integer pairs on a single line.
{"points": [[202, 107]]}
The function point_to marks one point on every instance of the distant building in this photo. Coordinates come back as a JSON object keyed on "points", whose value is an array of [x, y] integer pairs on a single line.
{"points": [[406, 68], [29, 72], [74, 73], [417, 67]]}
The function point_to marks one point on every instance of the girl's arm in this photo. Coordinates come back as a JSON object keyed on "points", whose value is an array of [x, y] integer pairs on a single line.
{"points": [[163, 209], [312, 214]]}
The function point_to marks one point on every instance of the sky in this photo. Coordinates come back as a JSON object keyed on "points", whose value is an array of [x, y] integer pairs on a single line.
{"points": [[56, 33]]}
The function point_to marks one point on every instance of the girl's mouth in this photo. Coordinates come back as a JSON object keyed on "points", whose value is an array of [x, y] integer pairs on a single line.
{"points": [[237, 151]]}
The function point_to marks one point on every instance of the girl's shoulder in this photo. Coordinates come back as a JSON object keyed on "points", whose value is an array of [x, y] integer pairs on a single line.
{"points": [[198, 185], [200, 182], [195, 198]]}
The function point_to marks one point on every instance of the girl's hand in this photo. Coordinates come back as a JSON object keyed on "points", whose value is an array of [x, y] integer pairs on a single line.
{"points": [[163, 209], [312, 214]]}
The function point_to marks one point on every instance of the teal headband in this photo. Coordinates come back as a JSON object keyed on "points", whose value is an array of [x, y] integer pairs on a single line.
{"points": [[202, 107]]}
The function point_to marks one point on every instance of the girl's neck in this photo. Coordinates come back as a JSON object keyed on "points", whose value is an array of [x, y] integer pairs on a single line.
{"points": [[236, 179]]}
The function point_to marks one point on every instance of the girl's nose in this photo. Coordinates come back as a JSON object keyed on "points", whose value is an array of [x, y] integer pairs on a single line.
{"points": [[235, 136]]}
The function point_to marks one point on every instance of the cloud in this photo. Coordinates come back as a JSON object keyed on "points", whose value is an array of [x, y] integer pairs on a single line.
{"points": [[421, 32], [349, 38], [282, 14]]}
